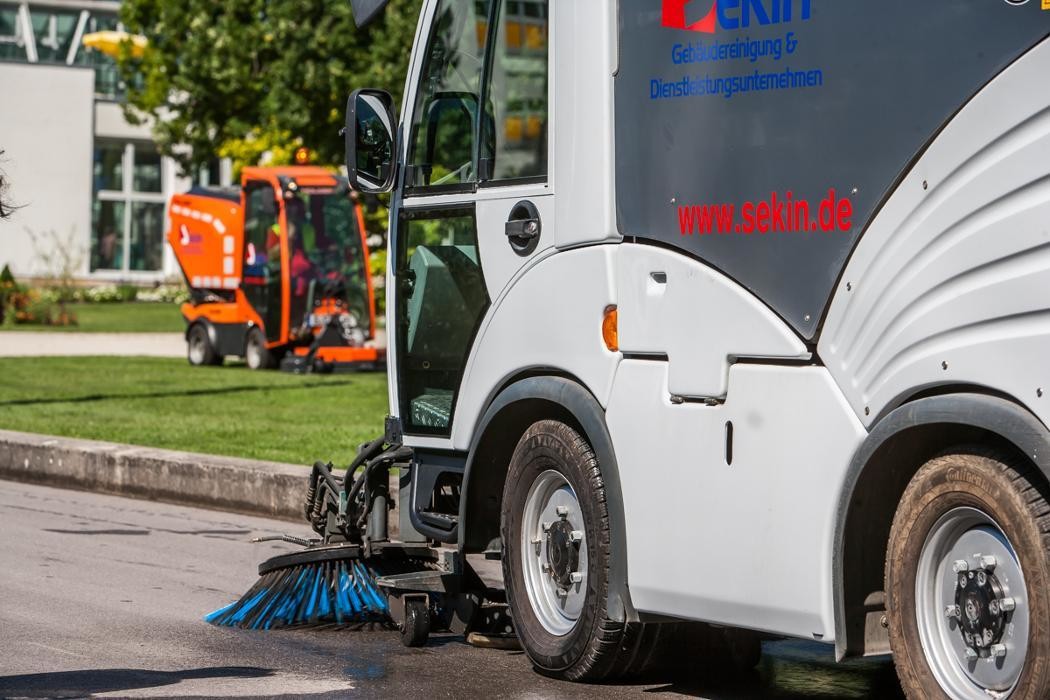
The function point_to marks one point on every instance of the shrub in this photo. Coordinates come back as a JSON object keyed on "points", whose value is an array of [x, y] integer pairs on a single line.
{"points": [[32, 307], [166, 293], [108, 294]]}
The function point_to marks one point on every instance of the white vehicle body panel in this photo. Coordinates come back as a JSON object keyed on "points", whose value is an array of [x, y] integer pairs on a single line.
{"points": [[949, 285], [747, 544], [550, 317], [701, 320]]}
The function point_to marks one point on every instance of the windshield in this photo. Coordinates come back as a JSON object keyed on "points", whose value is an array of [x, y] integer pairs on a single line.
{"points": [[326, 254]]}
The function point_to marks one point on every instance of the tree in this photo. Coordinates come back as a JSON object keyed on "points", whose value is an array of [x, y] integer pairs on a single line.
{"points": [[241, 77]]}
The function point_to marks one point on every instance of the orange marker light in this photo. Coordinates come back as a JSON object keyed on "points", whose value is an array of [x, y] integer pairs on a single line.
{"points": [[610, 333], [302, 155]]}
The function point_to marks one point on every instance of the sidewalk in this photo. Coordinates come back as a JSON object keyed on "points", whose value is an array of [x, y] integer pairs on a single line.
{"points": [[249, 486], [54, 344], [29, 344]]}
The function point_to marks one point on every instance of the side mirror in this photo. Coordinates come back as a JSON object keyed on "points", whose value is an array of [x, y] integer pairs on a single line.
{"points": [[370, 146]]}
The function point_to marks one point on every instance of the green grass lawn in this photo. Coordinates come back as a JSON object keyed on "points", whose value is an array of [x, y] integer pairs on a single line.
{"points": [[123, 317], [215, 410]]}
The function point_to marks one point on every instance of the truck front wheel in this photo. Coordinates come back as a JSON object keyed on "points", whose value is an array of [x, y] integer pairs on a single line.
{"points": [[968, 580], [555, 531]]}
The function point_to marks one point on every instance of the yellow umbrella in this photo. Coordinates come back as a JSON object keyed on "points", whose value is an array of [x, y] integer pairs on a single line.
{"points": [[109, 42]]}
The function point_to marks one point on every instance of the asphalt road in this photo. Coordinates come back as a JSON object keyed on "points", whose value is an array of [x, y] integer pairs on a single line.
{"points": [[102, 597]]}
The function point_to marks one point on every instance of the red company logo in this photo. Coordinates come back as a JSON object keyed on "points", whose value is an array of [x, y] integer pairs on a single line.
{"points": [[674, 17], [731, 15]]}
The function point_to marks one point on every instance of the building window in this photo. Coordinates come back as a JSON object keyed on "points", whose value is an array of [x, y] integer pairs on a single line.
{"points": [[128, 211], [40, 32], [15, 32]]}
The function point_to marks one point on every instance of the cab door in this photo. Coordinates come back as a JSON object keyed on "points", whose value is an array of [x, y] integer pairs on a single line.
{"points": [[475, 202], [263, 256]]}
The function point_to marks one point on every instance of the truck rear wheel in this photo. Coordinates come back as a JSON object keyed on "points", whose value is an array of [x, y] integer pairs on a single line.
{"points": [[256, 354], [967, 576], [199, 348], [555, 531]]}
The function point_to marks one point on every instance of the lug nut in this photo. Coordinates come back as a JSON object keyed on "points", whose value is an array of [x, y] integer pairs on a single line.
{"points": [[960, 565], [997, 650], [576, 577], [562, 511], [562, 593], [988, 562], [546, 527], [576, 536], [1007, 604], [952, 611], [971, 655], [545, 567]]}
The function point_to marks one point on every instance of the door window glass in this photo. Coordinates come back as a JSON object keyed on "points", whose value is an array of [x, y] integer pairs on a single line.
{"points": [[444, 120], [326, 256], [517, 93], [441, 298], [262, 256]]}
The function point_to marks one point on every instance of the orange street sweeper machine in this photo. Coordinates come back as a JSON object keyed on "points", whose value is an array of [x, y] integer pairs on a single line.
{"points": [[278, 272]]}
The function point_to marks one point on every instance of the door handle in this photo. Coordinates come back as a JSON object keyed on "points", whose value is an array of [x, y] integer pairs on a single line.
{"points": [[524, 227]]}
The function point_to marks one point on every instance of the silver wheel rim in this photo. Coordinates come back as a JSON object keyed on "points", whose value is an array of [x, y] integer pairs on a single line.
{"points": [[966, 546], [551, 511], [197, 349], [252, 354]]}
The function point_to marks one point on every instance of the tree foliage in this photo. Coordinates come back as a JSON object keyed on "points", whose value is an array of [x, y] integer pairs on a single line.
{"points": [[243, 77]]}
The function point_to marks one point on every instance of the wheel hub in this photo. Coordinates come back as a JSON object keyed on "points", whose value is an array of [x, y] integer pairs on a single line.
{"points": [[563, 553], [980, 610]]}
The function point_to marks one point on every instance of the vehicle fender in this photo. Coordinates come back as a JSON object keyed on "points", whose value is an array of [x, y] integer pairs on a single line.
{"points": [[993, 414], [575, 400]]}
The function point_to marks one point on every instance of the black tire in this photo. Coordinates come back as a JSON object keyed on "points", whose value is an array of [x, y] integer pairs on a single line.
{"points": [[1015, 498], [199, 349], [416, 627], [597, 648], [256, 354]]}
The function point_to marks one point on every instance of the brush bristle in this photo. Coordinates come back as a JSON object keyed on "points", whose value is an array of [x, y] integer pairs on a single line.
{"points": [[338, 592]]}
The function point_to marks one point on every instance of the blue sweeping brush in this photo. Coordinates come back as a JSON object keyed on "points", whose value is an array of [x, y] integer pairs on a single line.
{"points": [[313, 593]]}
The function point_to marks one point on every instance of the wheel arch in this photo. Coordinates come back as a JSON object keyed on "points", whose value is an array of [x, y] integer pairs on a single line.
{"points": [[898, 445], [209, 327], [520, 403]]}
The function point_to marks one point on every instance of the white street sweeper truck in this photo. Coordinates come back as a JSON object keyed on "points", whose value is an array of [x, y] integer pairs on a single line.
{"points": [[725, 317]]}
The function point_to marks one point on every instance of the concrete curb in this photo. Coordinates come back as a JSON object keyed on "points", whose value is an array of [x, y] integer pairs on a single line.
{"points": [[269, 489]]}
